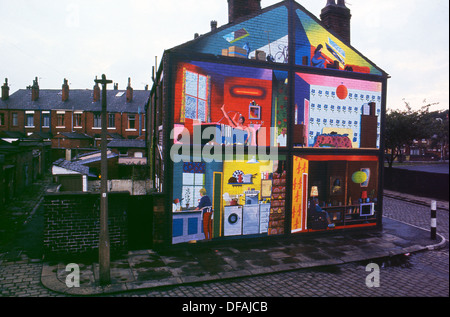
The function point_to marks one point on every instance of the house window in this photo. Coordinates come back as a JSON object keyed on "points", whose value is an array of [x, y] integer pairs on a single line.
{"points": [[45, 120], [30, 120], [196, 94], [193, 181], [60, 119], [131, 121], [2, 119], [77, 119], [111, 120], [97, 120], [15, 119]]}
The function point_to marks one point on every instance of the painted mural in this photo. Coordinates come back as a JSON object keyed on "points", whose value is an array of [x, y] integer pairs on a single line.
{"points": [[338, 112], [332, 192], [240, 197], [230, 105], [324, 50], [257, 38], [266, 38]]}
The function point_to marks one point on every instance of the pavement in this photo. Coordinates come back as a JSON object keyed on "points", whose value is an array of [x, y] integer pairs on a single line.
{"points": [[205, 262]]}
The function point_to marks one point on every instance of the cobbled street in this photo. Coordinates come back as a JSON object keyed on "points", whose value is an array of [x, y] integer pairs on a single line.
{"points": [[424, 274]]}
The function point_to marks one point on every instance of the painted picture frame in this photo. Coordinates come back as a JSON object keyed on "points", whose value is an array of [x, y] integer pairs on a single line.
{"points": [[254, 112]]}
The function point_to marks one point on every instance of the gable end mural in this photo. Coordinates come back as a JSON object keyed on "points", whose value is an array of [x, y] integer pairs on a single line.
{"points": [[265, 37]]}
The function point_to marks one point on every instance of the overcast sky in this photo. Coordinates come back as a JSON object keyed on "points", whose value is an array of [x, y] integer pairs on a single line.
{"points": [[81, 39]]}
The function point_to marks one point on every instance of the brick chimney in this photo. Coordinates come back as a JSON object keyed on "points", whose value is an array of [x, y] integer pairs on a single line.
{"points": [[213, 25], [35, 90], [96, 91], [129, 91], [5, 90], [336, 17], [65, 91], [241, 8]]}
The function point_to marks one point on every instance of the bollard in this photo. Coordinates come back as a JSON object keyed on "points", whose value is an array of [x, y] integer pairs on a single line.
{"points": [[433, 220]]}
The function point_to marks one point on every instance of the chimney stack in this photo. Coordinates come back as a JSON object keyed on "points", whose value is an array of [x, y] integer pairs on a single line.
{"points": [[5, 90], [96, 91], [213, 25], [65, 91], [35, 90], [129, 91], [241, 8], [336, 17]]}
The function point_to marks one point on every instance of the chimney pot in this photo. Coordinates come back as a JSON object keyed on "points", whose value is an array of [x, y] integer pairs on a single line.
{"points": [[341, 3]]}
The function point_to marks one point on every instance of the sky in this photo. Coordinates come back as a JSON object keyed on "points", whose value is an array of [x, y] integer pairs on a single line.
{"points": [[81, 39]]}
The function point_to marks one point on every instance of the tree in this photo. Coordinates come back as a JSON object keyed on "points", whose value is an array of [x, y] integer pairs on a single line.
{"points": [[405, 126], [440, 132]]}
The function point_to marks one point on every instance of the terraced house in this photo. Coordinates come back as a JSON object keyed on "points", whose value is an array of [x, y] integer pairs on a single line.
{"points": [[71, 119], [276, 118]]}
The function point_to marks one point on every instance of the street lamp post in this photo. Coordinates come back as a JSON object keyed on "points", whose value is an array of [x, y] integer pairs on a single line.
{"points": [[104, 249]]}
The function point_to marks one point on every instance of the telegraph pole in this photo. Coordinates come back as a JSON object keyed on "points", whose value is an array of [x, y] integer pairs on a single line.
{"points": [[104, 254]]}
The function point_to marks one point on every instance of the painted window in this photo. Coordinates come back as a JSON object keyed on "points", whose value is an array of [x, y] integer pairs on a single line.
{"points": [[196, 92], [192, 183]]}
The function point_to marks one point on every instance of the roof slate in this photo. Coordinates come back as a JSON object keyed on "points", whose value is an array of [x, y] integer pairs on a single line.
{"points": [[79, 99]]}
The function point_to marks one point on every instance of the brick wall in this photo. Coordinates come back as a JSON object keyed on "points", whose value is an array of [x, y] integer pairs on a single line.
{"points": [[72, 224]]}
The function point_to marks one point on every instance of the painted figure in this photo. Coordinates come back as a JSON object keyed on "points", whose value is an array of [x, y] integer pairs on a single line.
{"points": [[238, 122], [318, 59], [206, 205]]}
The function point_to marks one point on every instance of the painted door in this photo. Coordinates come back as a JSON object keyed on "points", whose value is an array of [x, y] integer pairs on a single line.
{"points": [[299, 194]]}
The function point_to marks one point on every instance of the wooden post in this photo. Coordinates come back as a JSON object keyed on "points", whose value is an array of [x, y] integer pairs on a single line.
{"points": [[104, 248]]}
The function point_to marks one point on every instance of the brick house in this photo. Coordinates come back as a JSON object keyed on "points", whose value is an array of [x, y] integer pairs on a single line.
{"points": [[66, 112], [279, 79]]}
